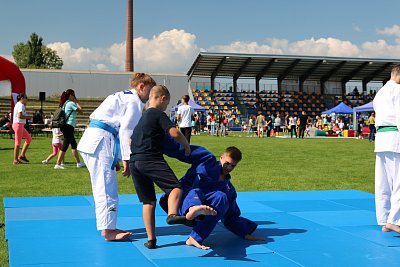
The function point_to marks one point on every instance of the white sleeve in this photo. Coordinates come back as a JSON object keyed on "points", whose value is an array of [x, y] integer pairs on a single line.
{"points": [[20, 108], [129, 121], [397, 106]]}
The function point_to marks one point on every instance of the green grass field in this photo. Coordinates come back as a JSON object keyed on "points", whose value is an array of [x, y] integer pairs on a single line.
{"points": [[268, 164]]}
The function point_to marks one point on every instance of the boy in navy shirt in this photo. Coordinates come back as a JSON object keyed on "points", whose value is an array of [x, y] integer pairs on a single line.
{"points": [[148, 166]]}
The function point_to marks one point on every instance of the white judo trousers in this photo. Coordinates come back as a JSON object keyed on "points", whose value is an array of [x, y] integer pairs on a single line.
{"points": [[104, 180], [387, 188]]}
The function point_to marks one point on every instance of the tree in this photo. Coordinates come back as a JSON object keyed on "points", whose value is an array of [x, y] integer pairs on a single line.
{"points": [[34, 55]]}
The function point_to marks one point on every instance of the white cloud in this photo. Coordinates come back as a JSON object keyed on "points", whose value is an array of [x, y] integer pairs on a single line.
{"points": [[175, 50], [394, 30], [319, 47], [170, 51], [245, 47], [78, 58]]}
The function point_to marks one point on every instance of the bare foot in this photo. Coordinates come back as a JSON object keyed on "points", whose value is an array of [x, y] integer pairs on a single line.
{"points": [[195, 211], [191, 242], [384, 229], [114, 235], [392, 227]]}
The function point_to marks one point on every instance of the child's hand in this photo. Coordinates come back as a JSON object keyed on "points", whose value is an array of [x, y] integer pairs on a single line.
{"points": [[117, 167], [254, 238], [125, 171]]}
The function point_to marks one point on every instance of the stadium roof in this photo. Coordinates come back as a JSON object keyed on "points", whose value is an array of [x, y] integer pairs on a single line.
{"points": [[283, 67]]}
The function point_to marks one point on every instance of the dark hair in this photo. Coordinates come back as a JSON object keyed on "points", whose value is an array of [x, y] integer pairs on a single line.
{"points": [[20, 96], [185, 98], [234, 153], [65, 96]]}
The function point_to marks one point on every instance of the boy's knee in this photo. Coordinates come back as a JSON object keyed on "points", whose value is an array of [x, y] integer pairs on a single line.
{"points": [[220, 202], [196, 193], [150, 203]]}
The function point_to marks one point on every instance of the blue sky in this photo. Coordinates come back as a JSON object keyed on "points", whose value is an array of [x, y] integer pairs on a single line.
{"points": [[90, 34]]}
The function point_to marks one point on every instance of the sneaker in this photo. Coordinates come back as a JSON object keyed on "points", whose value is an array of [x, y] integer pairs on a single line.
{"points": [[45, 162], [80, 165], [59, 166], [16, 162], [23, 159]]}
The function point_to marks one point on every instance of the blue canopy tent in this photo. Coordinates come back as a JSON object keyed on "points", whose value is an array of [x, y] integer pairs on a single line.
{"points": [[342, 108], [193, 104], [369, 107]]}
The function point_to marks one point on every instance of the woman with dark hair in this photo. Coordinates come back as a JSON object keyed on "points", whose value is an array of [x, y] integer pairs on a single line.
{"points": [[71, 107], [19, 120]]}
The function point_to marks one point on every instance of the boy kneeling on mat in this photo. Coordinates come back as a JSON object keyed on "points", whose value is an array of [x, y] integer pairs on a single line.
{"points": [[208, 183]]}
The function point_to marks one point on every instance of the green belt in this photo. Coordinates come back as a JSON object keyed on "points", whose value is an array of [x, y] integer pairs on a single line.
{"points": [[387, 129]]}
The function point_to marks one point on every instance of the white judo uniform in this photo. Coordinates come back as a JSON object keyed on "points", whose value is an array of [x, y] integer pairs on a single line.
{"points": [[122, 112], [387, 148]]}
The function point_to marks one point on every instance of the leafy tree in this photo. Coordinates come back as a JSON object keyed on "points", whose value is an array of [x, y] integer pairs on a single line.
{"points": [[34, 55], [51, 59]]}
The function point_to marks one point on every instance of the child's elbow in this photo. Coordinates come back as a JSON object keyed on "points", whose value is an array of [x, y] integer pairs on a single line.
{"points": [[173, 132]]}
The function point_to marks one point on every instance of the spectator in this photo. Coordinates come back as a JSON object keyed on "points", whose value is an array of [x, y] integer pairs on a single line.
{"points": [[71, 107], [37, 117], [292, 126], [268, 124], [209, 123], [5, 123], [56, 144], [371, 125], [224, 123], [212, 124], [184, 117], [260, 122], [303, 124], [19, 120]]}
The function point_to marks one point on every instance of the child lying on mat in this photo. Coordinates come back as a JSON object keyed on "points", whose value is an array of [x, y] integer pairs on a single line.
{"points": [[207, 182]]}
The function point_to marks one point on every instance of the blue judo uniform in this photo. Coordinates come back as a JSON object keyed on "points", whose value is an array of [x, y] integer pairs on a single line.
{"points": [[201, 186]]}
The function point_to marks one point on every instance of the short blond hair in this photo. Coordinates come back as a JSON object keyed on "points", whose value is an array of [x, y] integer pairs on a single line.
{"points": [[395, 70], [158, 91]]}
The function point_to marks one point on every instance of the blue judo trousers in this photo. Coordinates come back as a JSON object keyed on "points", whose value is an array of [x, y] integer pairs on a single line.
{"points": [[201, 186]]}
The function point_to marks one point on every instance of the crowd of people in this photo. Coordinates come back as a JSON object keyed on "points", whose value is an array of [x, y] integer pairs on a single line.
{"points": [[62, 137]]}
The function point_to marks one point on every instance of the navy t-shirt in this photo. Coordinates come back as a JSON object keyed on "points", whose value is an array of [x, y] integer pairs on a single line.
{"points": [[148, 135]]}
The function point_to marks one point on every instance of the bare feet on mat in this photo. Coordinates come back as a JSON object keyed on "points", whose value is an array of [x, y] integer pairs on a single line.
{"points": [[191, 242], [115, 235], [392, 227], [384, 229], [195, 211]]}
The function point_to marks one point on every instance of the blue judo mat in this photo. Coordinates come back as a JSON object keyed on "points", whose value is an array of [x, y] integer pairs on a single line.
{"points": [[310, 228]]}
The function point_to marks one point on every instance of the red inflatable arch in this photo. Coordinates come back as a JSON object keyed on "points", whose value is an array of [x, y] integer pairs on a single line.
{"points": [[10, 71]]}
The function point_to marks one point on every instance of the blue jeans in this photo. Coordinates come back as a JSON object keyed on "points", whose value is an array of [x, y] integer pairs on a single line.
{"points": [[372, 131]]}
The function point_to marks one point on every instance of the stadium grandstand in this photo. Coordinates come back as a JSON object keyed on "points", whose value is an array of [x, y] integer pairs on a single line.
{"points": [[302, 83]]}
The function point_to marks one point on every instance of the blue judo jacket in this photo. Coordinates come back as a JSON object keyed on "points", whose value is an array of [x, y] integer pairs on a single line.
{"points": [[204, 174]]}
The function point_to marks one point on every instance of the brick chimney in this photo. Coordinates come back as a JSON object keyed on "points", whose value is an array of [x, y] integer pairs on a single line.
{"points": [[129, 38]]}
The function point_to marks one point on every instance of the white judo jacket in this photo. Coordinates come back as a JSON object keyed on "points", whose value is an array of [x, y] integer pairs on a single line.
{"points": [[121, 111], [387, 109]]}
